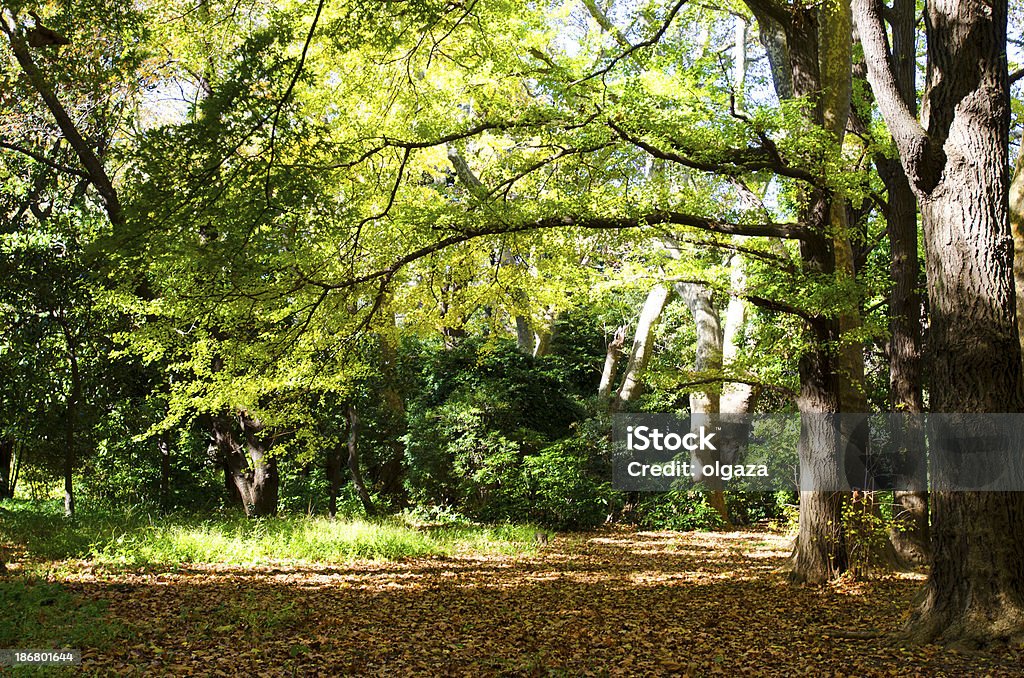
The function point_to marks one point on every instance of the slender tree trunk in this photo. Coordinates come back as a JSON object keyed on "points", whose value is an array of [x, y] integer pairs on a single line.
{"points": [[334, 477], [611, 363], [6, 468], [643, 342], [353, 460], [705, 405], [736, 399], [70, 424], [163, 446], [905, 373], [1017, 228]]}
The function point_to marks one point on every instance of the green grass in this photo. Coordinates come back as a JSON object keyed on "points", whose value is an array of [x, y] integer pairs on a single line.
{"points": [[139, 539], [40, 615]]}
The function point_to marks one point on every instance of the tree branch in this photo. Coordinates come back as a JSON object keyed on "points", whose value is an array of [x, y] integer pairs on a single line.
{"points": [[42, 159], [93, 166], [749, 164], [653, 40], [922, 163], [606, 23]]}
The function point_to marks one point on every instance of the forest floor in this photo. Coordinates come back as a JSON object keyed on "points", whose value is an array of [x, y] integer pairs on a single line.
{"points": [[610, 603]]}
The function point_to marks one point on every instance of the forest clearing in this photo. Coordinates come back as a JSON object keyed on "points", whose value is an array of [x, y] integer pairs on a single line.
{"points": [[493, 337], [615, 602]]}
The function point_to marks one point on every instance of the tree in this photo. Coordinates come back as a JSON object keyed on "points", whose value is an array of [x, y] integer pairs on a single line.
{"points": [[958, 168]]}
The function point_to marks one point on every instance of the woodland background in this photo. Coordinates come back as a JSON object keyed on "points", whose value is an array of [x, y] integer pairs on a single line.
{"points": [[402, 261]]}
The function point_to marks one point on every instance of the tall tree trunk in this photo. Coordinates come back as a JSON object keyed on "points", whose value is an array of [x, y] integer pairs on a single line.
{"points": [[334, 477], [643, 342], [71, 420], [611, 363], [353, 460], [705, 405], [6, 468], [905, 373], [958, 168], [792, 38]]}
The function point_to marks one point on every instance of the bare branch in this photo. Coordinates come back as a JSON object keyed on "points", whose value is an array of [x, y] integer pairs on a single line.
{"points": [[42, 159]]}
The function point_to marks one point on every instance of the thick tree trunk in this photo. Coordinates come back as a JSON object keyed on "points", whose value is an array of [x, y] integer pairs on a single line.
{"points": [[819, 553], [643, 343], [959, 170], [250, 474], [264, 477], [353, 460]]}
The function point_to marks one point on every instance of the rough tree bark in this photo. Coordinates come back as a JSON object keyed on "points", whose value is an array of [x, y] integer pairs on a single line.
{"points": [[264, 478], [958, 167], [250, 473], [791, 36], [905, 371]]}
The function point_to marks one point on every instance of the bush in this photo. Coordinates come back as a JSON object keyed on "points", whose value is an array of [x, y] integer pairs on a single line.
{"points": [[568, 491], [480, 413], [678, 510], [747, 508]]}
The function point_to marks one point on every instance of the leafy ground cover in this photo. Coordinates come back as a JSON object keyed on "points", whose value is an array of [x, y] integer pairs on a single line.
{"points": [[612, 603]]}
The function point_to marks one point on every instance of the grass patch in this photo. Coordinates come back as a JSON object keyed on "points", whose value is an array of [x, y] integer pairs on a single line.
{"points": [[42, 615], [140, 539]]}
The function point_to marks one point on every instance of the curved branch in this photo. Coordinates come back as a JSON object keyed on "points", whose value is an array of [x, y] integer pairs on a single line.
{"points": [[922, 163], [94, 168]]}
